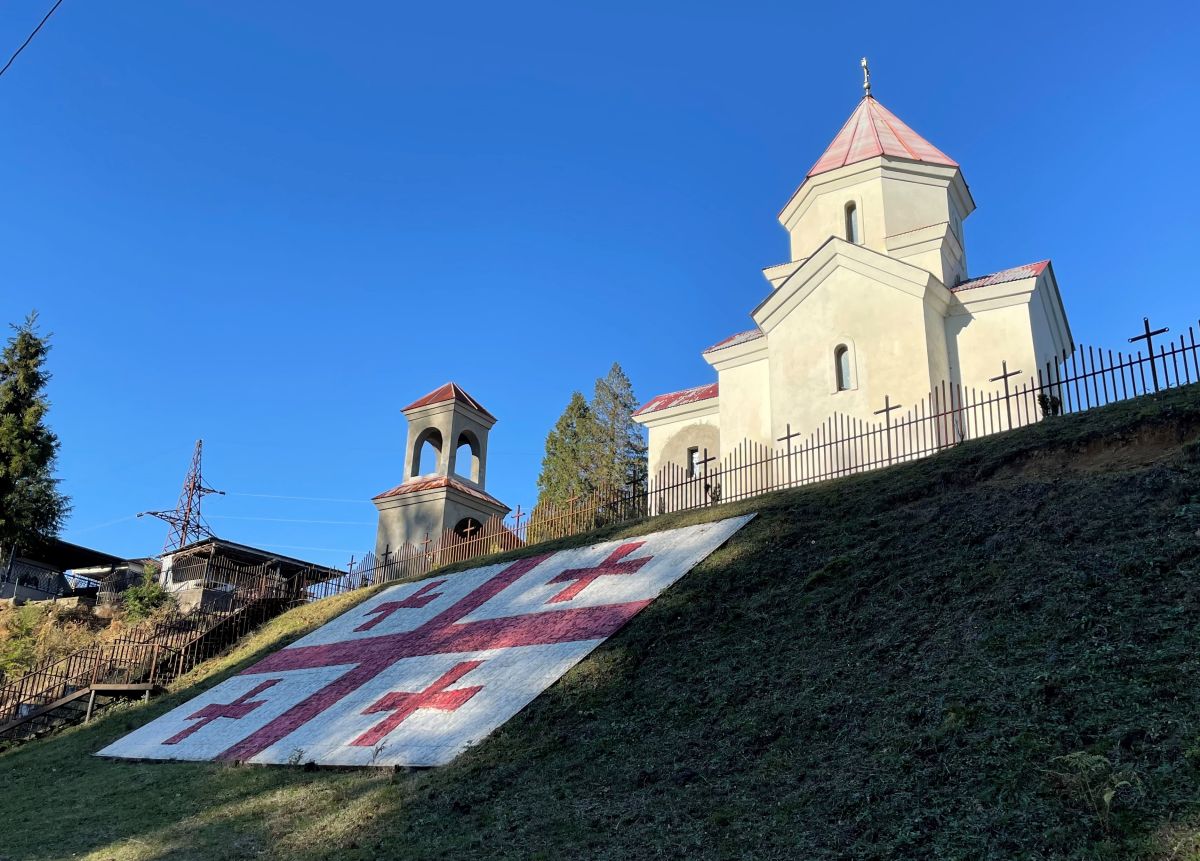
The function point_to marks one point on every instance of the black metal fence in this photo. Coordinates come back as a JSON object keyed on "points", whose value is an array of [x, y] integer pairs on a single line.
{"points": [[1079, 380]]}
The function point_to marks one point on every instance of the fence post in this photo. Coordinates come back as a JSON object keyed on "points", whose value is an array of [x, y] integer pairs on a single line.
{"points": [[1148, 337], [888, 406], [1005, 373], [787, 438]]}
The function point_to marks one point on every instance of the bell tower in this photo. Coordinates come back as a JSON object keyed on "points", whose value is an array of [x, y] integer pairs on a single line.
{"points": [[445, 466]]}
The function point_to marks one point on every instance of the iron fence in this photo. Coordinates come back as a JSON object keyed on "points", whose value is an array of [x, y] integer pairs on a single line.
{"points": [[1081, 379], [156, 650]]}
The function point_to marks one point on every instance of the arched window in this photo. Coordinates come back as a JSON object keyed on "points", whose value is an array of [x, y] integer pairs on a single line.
{"points": [[427, 452], [841, 366], [466, 456], [852, 231]]}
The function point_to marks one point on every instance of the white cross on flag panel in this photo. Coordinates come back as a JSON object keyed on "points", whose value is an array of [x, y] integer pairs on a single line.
{"points": [[421, 671]]}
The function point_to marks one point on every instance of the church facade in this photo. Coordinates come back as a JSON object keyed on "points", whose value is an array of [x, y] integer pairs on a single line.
{"points": [[875, 301]]}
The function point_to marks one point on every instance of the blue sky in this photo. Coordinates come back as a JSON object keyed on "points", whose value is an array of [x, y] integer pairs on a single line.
{"points": [[272, 225]]}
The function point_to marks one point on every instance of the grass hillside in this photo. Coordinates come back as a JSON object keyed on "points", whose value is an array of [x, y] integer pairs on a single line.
{"points": [[990, 654]]}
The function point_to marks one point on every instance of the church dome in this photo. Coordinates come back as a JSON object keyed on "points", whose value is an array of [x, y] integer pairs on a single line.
{"points": [[873, 131]]}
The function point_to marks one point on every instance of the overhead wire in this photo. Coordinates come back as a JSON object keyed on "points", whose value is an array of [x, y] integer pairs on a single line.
{"points": [[303, 498], [290, 520], [25, 44]]}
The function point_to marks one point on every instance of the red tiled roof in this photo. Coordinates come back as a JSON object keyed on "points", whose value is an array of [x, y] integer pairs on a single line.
{"points": [[872, 131], [740, 338], [1029, 270], [448, 392], [416, 485], [676, 399]]}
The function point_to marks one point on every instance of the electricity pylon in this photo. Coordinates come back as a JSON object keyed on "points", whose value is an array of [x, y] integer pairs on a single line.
{"points": [[187, 524]]}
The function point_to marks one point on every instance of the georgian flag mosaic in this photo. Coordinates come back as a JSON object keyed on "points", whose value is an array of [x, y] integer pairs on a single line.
{"points": [[422, 671]]}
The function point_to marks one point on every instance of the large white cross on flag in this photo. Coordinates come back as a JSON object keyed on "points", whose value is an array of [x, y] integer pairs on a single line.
{"points": [[421, 671]]}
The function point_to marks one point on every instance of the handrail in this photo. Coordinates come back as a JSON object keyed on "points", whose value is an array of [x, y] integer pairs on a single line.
{"points": [[186, 636]]}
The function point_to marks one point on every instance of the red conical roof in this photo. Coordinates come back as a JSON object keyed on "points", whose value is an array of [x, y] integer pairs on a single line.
{"points": [[872, 131], [448, 392]]}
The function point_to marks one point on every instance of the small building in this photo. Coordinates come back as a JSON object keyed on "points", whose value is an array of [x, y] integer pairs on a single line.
{"points": [[451, 428], [57, 569], [216, 575]]}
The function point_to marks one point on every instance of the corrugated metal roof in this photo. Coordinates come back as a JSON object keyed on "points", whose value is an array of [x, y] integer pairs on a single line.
{"points": [[448, 392], [416, 485], [740, 338], [676, 399], [1029, 270], [872, 131]]}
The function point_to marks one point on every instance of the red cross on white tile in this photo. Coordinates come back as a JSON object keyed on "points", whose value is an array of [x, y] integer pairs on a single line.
{"points": [[445, 633], [402, 704], [235, 710], [416, 600], [583, 577]]}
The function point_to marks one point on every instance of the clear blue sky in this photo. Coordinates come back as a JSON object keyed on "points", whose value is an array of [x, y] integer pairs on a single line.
{"points": [[273, 224]]}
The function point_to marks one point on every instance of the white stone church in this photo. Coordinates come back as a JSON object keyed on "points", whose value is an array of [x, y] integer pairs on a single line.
{"points": [[876, 300]]}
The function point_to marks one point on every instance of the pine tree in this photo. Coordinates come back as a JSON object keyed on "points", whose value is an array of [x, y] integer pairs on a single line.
{"points": [[568, 467], [31, 507], [621, 448]]}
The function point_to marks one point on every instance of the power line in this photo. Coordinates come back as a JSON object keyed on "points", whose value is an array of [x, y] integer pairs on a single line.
{"points": [[303, 547], [31, 35], [304, 498], [291, 520], [101, 525]]}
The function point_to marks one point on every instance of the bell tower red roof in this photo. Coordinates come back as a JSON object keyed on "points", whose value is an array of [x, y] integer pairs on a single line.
{"points": [[873, 131], [445, 393]]}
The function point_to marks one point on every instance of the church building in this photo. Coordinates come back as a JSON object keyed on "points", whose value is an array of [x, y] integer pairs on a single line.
{"points": [[876, 300]]}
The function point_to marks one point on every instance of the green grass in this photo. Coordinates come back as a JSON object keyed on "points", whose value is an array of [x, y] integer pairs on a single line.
{"points": [[958, 658]]}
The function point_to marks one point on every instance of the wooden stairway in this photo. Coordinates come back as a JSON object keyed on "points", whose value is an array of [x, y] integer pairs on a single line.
{"points": [[69, 691]]}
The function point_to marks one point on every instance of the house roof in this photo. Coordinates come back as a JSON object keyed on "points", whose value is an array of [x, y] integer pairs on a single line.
{"points": [[872, 131], [1016, 273], [247, 553], [416, 485], [676, 399], [733, 340], [444, 394], [64, 556]]}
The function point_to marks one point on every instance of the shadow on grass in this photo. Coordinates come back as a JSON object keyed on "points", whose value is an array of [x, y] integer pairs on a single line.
{"points": [[911, 663]]}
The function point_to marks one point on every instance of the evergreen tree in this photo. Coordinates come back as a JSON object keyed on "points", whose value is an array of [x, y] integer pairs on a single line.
{"points": [[568, 467], [620, 446], [31, 506], [594, 446]]}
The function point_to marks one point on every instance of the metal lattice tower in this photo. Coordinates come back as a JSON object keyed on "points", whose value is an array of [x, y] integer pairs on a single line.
{"points": [[187, 524]]}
